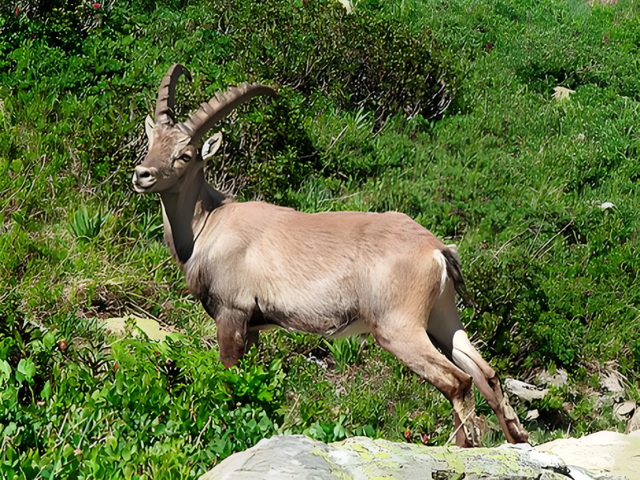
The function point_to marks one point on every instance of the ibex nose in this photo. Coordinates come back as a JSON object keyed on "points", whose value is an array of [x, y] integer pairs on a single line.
{"points": [[144, 178]]}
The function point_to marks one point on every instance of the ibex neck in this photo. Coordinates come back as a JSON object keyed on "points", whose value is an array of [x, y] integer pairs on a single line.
{"points": [[185, 212]]}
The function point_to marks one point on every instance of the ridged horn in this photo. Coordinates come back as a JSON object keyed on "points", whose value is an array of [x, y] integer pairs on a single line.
{"points": [[220, 106], [167, 93]]}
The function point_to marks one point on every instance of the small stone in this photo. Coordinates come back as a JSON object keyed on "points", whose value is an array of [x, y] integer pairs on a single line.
{"points": [[562, 93], [624, 410], [634, 423], [524, 391], [613, 382], [532, 415], [558, 379], [347, 6]]}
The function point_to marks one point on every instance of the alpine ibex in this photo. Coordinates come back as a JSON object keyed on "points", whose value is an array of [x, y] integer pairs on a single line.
{"points": [[254, 265]]}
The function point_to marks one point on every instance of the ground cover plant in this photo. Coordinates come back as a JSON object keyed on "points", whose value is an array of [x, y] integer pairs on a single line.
{"points": [[442, 110]]}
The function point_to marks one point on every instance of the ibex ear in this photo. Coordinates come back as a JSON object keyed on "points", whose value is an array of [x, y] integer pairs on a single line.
{"points": [[211, 146], [148, 127]]}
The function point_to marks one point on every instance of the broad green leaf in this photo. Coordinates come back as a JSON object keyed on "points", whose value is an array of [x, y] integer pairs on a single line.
{"points": [[49, 341], [46, 391], [5, 372], [26, 369]]}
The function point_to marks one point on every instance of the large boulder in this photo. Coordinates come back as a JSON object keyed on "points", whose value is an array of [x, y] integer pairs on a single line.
{"points": [[298, 457], [603, 453]]}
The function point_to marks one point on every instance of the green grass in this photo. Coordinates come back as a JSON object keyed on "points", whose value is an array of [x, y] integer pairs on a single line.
{"points": [[512, 176]]}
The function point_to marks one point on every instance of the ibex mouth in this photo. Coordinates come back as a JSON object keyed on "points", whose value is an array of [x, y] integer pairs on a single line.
{"points": [[143, 179], [140, 189]]}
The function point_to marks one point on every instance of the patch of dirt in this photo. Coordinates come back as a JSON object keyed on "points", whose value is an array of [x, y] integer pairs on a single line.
{"points": [[103, 301]]}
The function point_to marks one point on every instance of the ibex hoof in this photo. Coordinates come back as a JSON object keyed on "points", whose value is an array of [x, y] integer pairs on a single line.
{"points": [[474, 439]]}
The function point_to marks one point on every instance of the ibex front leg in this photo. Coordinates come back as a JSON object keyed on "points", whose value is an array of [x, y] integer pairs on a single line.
{"points": [[232, 328], [253, 338]]}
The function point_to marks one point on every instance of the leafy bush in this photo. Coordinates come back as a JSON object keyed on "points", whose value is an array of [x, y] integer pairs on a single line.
{"points": [[63, 23], [359, 59], [73, 410]]}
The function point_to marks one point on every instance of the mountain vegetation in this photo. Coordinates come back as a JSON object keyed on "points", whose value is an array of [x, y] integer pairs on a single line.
{"points": [[508, 127]]}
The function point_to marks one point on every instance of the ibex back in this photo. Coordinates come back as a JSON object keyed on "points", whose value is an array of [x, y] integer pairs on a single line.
{"points": [[255, 265]]}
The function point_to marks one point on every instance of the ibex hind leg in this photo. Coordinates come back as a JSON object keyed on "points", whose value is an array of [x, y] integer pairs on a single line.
{"points": [[446, 331], [415, 350], [467, 357]]}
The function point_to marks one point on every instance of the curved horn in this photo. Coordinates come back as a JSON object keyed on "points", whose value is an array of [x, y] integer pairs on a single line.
{"points": [[167, 93], [220, 106]]}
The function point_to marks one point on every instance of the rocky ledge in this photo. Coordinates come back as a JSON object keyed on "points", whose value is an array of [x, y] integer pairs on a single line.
{"points": [[298, 457]]}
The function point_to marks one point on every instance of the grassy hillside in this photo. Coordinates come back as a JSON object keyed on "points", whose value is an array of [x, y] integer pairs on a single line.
{"points": [[444, 110]]}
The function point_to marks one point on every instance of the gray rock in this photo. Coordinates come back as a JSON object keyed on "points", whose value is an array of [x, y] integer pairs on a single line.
{"points": [[634, 423], [624, 410], [532, 415], [359, 458], [605, 454], [524, 391], [613, 382], [558, 379]]}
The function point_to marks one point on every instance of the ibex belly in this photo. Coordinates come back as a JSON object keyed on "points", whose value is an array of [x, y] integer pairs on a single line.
{"points": [[357, 327], [340, 324]]}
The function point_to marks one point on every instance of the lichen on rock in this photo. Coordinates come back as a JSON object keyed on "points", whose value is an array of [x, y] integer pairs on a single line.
{"points": [[360, 458]]}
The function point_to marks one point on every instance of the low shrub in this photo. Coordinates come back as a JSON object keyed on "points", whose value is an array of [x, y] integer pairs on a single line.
{"points": [[72, 409]]}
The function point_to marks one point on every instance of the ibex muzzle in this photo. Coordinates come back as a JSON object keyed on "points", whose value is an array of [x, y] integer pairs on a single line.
{"points": [[255, 265]]}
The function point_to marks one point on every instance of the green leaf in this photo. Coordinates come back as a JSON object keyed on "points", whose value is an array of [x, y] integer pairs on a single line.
{"points": [[126, 453], [10, 429], [26, 370], [5, 372], [16, 165], [46, 391], [49, 341]]}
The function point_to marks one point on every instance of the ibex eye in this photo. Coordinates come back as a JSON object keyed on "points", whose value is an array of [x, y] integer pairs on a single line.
{"points": [[185, 157]]}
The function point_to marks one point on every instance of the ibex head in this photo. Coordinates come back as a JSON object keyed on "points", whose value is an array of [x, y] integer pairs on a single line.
{"points": [[174, 149]]}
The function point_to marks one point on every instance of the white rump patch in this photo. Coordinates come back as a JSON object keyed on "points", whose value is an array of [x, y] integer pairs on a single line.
{"points": [[439, 257]]}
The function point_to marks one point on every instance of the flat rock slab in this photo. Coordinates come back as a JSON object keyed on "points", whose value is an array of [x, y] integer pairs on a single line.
{"points": [[603, 453], [117, 326], [360, 458]]}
